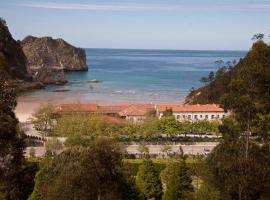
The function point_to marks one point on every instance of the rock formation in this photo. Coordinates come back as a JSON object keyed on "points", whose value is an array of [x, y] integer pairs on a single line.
{"points": [[49, 75], [11, 54], [55, 53], [13, 63], [34, 62]]}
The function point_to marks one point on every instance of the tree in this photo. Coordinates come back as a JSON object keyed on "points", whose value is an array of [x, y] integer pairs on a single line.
{"points": [[92, 172], [149, 127], [53, 146], [242, 104], [167, 113], [208, 192], [204, 126], [147, 180], [152, 113], [89, 125], [258, 36], [185, 126], [177, 179], [263, 127], [211, 76], [166, 150], [168, 125], [204, 80], [143, 149], [219, 63], [3, 21], [42, 120], [221, 71], [235, 175], [254, 72], [230, 129], [77, 140], [12, 145]]}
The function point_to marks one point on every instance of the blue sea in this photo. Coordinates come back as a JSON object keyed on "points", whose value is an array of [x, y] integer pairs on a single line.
{"points": [[129, 75]]}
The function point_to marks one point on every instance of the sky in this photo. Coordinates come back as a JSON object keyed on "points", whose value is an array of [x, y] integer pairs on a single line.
{"points": [[141, 24]]}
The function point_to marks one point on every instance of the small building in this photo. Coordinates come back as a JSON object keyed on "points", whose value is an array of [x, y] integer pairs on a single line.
{"points": [[136, 112], [112, 110], [196, 112]]}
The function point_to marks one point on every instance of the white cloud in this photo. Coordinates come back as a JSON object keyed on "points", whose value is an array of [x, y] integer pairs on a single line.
{"points": [[248, 6], [99, 7]]}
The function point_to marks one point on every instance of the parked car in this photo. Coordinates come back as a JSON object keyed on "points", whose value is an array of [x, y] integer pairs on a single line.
{"points": [[206, 151]]}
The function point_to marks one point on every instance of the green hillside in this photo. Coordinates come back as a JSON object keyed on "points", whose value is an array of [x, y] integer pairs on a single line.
{"points": [[249, 78]]}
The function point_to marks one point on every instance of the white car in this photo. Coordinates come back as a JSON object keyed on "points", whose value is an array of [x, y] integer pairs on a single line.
{"points": [[206, 151]]}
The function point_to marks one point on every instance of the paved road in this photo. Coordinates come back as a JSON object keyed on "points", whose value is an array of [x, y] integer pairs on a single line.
{"points": [[198, 148], [193, 149]]}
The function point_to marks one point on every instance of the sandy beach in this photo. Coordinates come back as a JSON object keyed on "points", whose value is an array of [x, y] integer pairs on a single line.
{"points": [[27, 105]]}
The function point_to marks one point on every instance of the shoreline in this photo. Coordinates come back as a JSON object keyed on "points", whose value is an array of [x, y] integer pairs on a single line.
{"points": [[27, 105]]}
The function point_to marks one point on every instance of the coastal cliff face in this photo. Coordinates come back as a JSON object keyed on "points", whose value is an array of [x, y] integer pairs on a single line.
{"points": [[47, 52], [35, 62], [13, 63], [11, 54]]}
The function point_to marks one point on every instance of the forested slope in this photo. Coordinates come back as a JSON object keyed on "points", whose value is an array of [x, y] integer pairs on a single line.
{"points": [[250, 78]]}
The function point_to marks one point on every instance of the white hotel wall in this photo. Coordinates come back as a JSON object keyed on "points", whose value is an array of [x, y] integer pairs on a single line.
{"points": [[193, 116]]}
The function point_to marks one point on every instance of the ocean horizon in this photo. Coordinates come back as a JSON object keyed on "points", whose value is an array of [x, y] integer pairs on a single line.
{"points": [[138, 75]]}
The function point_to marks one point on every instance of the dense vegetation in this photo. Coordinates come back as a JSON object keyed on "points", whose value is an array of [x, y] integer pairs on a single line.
{"points": [[16, 175], [82, 173], [98, 171], [238, 168], [250, 76], [93, 125]]}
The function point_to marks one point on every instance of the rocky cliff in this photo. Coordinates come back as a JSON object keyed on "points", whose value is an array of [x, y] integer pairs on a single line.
{"points": [[35, 62], [11, 54], [13, 63], [54, 53]]}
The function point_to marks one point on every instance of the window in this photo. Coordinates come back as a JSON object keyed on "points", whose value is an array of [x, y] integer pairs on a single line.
{"points": [[206, 116], [189, 116], [213, 116], [200, 116], [223, 116], [195, 117], [177, 116], [218, 116], [184, 116]]}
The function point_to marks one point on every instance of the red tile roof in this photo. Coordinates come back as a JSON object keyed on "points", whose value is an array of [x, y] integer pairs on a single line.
{"points": [[107, 109], [136, 110], [190, 108], [76, 108]]}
